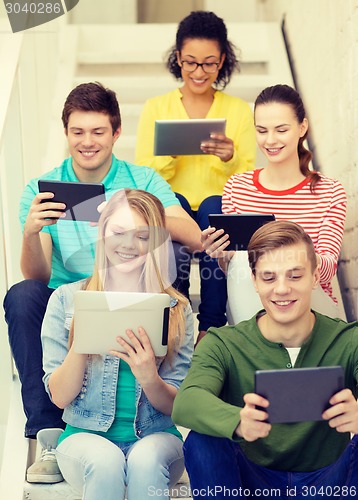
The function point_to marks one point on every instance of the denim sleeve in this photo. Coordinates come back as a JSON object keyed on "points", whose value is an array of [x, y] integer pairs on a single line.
{"points": [[54, 335], [173, 372]]}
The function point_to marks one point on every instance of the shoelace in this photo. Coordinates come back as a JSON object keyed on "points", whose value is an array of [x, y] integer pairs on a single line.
{"points": [[48, 454]]}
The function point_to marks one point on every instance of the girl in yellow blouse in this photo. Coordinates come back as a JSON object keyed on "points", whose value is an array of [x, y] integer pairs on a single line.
{"points": [[203, 59]]}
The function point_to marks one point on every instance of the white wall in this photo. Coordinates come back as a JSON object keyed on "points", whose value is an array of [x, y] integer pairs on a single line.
{"points": [[323, 36]]}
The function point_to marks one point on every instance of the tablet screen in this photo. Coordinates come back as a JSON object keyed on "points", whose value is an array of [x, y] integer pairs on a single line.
{"points": [[298, 394], [183, 137], [81, 198], [239, 227]]}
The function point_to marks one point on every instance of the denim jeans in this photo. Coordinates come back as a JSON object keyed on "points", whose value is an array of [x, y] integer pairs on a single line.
{"points": [[217, 465], [25, 306], [97, 468], [213, 292]]}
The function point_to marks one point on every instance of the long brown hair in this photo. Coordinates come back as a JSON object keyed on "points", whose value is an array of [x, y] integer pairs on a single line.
{"points": [[157, 268], [285, 94]]}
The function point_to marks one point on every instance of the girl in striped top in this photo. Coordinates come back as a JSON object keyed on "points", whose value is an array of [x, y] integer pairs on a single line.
{"points": [[286, 188]]}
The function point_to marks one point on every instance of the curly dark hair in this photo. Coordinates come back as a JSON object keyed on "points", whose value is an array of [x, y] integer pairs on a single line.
{"points": [[207, 26]]}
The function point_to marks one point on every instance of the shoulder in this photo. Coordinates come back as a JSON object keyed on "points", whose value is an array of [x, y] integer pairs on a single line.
{"points": [[328, 185], [232, 101], [66, 292], [244, 178], [159, 100]]}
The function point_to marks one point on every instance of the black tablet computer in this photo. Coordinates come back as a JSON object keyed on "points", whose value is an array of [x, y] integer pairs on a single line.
{"points": [[298, 394], [239, 227], [81, 198], [184, 137]]}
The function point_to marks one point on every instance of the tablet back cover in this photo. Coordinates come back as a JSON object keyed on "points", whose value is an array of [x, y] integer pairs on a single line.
{"points": [[298, 394]]}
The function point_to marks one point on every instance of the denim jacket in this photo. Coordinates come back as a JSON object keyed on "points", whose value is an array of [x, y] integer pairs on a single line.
{"points": [[95, 405]]}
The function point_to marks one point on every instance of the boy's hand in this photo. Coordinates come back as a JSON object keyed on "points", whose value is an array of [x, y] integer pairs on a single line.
{"points": [[343, 415], [252, 425]]}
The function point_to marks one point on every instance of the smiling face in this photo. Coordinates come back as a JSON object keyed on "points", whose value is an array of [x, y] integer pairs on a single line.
{"points": [[90, 141], [278, 132], [201, 51], [126, 241], [284, 280]]}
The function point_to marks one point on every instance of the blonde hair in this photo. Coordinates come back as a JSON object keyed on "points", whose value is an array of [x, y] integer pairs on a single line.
{"points": [[155, 275]]}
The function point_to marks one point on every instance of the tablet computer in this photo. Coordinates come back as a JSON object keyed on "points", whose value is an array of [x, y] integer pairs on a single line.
{"points": [[183, 137], [99, 317], [239, 227], [298, 394], [81, 198]]}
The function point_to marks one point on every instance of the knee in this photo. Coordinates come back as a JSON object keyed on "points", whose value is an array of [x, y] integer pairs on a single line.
{"points": [[211, 205], [201, 448], [24, 291]]}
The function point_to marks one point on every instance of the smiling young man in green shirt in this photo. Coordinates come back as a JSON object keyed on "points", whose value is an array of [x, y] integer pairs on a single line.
{"points": [[232, 449]]}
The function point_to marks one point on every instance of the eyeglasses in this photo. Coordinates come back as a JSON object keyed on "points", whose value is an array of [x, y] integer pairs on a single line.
{"points": [[191, 66]]}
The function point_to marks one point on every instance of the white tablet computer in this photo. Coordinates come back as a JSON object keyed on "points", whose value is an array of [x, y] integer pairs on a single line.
{"points": [[183, 137], [298, 394], [99, 317], [239, 227]]}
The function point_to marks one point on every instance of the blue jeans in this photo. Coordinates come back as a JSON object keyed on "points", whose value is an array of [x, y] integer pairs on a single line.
{"points": [[97, 468], [25, 305], [213, 291], [218, 465]]}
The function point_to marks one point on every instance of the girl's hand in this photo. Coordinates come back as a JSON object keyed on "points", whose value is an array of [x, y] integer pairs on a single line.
{"points": [[343, 415], [220, 146], [214, 241], [140, 357]]}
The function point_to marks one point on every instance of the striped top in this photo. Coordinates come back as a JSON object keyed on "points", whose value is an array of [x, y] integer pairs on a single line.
{"points": [[322, 214], [74, 242]]}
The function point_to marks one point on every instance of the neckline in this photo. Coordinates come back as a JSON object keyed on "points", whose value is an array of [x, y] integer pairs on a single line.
{"points": [[280, 192]]}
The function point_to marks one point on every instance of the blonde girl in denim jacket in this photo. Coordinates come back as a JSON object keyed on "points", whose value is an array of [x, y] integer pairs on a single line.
{"points": [[119, 438]]}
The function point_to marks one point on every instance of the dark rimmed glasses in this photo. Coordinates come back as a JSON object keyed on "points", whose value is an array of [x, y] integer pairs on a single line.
{"points": [[207, 67]]}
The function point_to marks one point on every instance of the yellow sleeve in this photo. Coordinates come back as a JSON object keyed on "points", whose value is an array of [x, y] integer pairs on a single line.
{"points": [[144, 155]]}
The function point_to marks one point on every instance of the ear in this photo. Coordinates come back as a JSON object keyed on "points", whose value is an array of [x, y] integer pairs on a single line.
{"points": [[303, 127], [222, 59], [316, 276], [253, 278], [116, 134], [177, 53]]}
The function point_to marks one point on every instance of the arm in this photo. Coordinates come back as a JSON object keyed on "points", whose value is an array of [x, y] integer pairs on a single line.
{"points": [[182, 227], [64, 370], [198, 405], [164, 165], [36, 253], [236, 149], [330, 235]]}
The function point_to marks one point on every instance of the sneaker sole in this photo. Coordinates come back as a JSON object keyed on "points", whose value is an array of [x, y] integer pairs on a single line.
{"points": [[35, 478]]}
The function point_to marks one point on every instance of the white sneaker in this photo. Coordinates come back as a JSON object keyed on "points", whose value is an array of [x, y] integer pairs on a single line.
{"points": [[46, 470]]}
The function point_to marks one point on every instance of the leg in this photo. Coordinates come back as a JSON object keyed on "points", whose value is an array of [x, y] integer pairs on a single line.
{"points": [[213, 293], [338, 479], [211, 465], [93, 466], [218, 467], [154, 464], [25, 306], [182, 260], [243, 301]]}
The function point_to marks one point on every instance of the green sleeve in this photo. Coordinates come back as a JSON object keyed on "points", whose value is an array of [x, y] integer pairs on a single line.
{"points": [[197, 405]]}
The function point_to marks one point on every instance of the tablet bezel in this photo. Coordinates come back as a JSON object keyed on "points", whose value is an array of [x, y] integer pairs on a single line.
{"points": [[99, 317], [239, 227], [298, 394], [81, 198], [183, 137]]}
